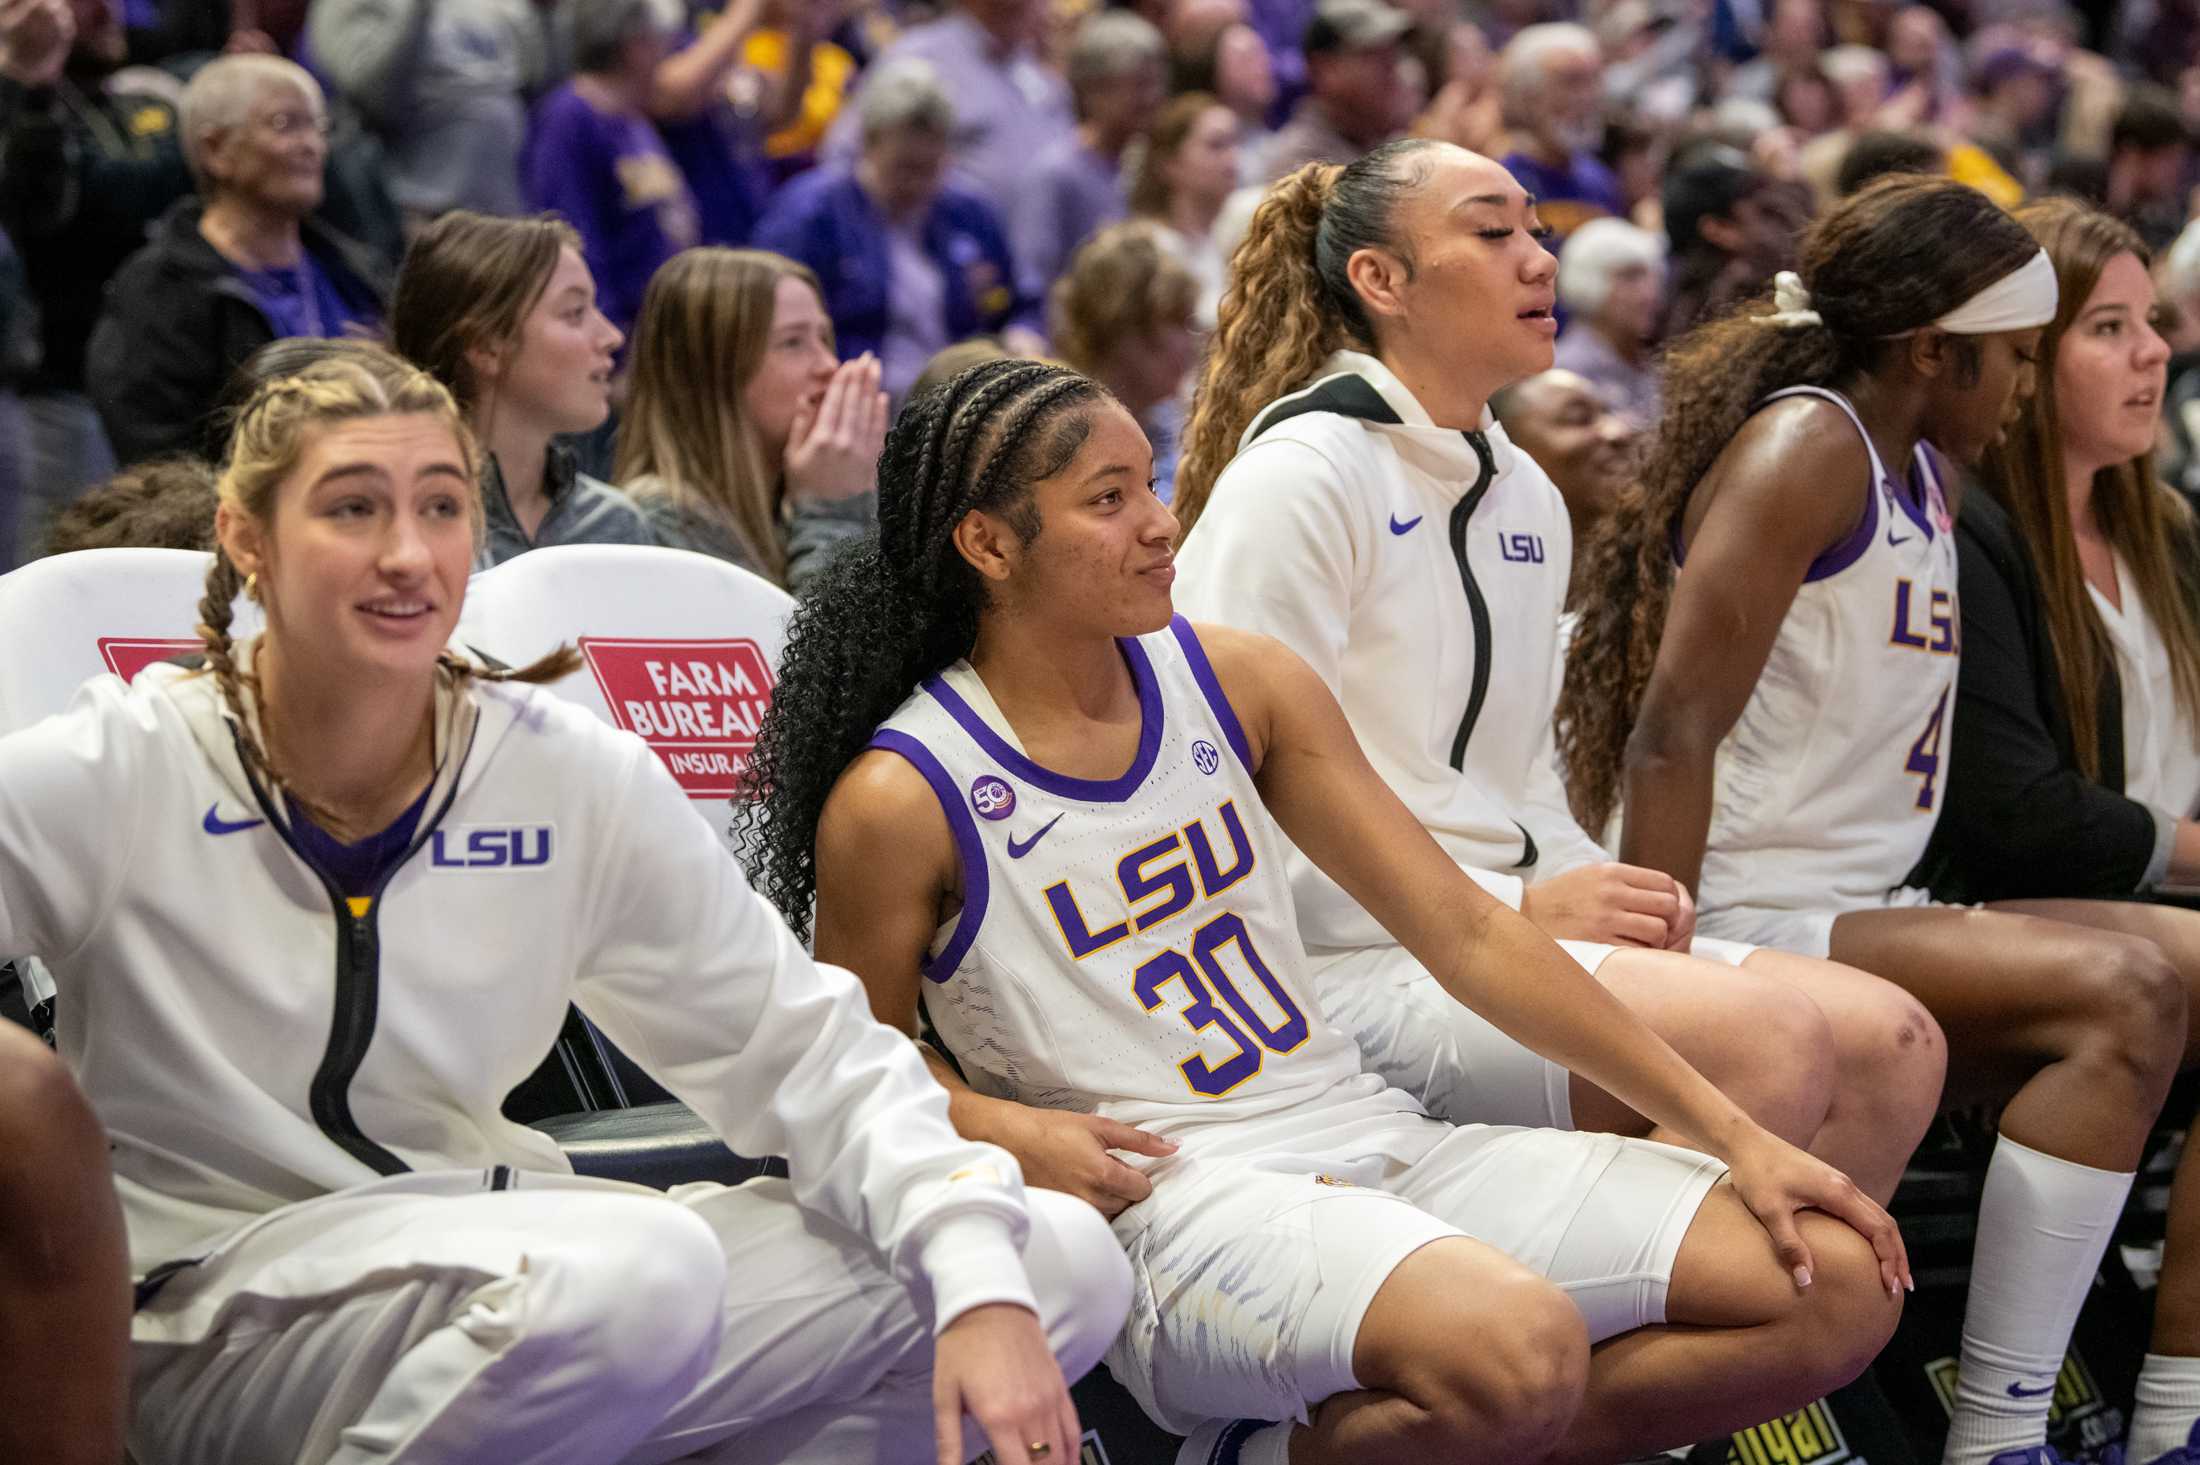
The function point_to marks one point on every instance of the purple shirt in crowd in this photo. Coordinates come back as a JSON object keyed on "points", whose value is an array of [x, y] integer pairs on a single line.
{"points": [[1568, 197], [1632, 391], [1072, 192], [301, 300], [1008, 106], [614, 181], [916, 312]]}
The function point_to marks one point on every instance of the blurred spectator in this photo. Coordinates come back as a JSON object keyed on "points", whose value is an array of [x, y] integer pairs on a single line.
{"points": [[595, 157], [907, 264], [1577, 436], [1807, 100], [2179, 292], [719, 150], [1229, 61], [1611, 285], [1124, 315], [1876, 154], [1862, 78], [163, 503], [1282, 26], [1008, 104], [1468, 106], [503, 312], [1729, 228], [1187, 171], [89, 158], [804, 76], [1353, 100], [1926, 71], [745, 437], [2012, 110], [953, 361], [1117, 68], [242, 264], [443, 84], [1792, 38], [2149, 153], [1554, 108]]}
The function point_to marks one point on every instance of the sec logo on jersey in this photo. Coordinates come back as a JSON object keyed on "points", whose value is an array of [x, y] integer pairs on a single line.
{"points": [[1204, 756], [992, 797]]}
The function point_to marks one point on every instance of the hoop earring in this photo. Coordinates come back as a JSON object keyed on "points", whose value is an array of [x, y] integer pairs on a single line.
{"points": [[252, 587]]}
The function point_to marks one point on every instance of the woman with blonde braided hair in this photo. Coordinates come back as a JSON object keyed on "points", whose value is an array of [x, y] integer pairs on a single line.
{"points": [[1375, 518], [315, 910], [1765, 674]]}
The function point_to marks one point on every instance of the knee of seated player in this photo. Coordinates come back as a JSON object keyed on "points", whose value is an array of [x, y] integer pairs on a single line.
{"points": [[635, 1291], [1079, 1275], [2132, 999], [1891, 1056], [1846, 1315], [1495, 1357], [1789, 1086]]}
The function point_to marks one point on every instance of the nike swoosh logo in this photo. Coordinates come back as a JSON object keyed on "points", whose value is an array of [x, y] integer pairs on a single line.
{"points": [[2019, 1391], [214, 823], [1398, 528], [1892, 541], [1017, 849]]}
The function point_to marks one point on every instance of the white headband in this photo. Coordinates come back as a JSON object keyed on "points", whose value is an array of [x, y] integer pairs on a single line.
{"points": [[2018, 301]]}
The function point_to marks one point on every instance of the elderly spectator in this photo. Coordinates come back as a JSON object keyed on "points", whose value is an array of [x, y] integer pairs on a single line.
{"points": [[1124, 315], [1554, 106], [1577, 436], [1611, 284], [1729, 227], [595, 157], [1117, 68], [2149, 152], [444, 84], [1187, 173], [1354, 98], [1228, 60], [2178, 287], [242, 264], [89, 159], [907, 263], [1008, 103]]}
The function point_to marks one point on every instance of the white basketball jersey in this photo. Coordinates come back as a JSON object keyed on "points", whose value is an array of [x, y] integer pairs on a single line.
{"points": [[1827, 788], [1128, 946]]}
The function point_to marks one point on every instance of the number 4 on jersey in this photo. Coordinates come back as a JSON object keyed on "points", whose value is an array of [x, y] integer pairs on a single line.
{"points": [[1925, 754]]}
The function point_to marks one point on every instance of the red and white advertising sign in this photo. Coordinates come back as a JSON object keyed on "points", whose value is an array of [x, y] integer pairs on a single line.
{"points": [[126, 657], [697, 703]]}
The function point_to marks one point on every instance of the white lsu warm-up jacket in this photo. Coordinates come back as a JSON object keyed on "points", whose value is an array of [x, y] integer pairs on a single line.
{"points": [[251, 1039], [1421, 571]]}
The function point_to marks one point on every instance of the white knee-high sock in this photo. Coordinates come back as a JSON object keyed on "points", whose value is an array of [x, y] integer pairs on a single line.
{"points": [[2169, 1404], [2042, 1226]]}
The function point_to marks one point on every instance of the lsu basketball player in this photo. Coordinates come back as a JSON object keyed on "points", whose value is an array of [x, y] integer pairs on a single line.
{"points": [[1027, 796], [1765, 678], [1346, 490]]}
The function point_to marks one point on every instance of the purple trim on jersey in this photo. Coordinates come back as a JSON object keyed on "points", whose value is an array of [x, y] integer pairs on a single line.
{"points": [[1850, 548], [969, 850], [1061, 785], [1203, 672]]}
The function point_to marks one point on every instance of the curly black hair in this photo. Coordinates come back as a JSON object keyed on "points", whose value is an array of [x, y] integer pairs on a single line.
{"points": [[901, 605]]}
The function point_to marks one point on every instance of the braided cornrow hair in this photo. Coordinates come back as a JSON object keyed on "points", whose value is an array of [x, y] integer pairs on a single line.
{"points": [[903, 604], [269, 439]]}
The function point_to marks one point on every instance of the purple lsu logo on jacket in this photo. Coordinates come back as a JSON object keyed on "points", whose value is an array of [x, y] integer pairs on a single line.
{"points": [[1521, 549], [492, 847]]}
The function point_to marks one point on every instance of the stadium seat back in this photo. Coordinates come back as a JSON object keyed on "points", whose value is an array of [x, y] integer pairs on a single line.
{"points": [[97, 612], [678, 648]]}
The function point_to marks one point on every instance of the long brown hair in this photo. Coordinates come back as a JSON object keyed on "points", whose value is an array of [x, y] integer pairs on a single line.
{"points": [[1172, 126], [705, 324], [1290, 303], [272, 433], [2146, 524], [1890, 259], [470, 280]]}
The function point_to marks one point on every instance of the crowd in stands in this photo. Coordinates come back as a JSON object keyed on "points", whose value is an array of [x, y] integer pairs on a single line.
{"points": [[183, 181]]}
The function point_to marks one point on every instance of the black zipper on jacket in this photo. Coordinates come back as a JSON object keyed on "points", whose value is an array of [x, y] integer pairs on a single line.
{"points": [[1477, 608], [358, 983]]}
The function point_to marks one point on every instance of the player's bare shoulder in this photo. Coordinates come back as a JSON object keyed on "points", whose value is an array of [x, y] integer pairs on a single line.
{"points": [[1262, 677], [882, 816]]}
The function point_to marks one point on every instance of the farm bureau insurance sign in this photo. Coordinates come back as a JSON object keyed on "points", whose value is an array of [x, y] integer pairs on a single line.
{"points": [[696, 703]]}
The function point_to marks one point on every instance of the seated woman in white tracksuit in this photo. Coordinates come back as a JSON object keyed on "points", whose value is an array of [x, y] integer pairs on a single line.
{"points": [[314, 910], [1348, 493]]}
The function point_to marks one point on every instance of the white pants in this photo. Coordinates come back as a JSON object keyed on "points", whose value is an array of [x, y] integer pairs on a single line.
{"points": [[424, 1320], [1422, 1039]]}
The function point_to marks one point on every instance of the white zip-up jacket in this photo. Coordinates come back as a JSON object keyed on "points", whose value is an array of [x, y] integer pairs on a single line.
{"points": [[251, 1038], [1422, 572]]}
